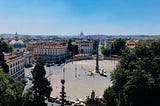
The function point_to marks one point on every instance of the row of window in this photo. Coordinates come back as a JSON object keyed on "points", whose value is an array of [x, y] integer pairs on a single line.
{"points": [[14, 70], [20, 73], [16, 63], [50, 52]]}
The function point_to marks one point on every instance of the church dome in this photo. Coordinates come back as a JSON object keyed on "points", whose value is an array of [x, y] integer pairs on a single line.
{"points": [[17, 44]]}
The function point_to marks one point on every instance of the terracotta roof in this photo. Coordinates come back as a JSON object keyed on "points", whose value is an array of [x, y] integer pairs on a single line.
{"points": [[54, 46], [10, 57], [130, 42]]}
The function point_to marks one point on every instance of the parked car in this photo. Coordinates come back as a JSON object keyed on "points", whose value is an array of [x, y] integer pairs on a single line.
{"points": [[48, 65], [51, 99], [52, 64], [30, 78], [79, 104], [58, 101], [69, 102]]}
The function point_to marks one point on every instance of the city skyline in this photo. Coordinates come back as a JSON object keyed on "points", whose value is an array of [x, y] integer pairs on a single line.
{"points": [[70, 17]]}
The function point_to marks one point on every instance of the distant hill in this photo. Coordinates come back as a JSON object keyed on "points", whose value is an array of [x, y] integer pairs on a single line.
{"points": [[84, 36]]}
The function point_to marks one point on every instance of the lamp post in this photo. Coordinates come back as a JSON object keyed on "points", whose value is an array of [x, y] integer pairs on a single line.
{"points": [[75, 70], [63, 93], [49, 74]]}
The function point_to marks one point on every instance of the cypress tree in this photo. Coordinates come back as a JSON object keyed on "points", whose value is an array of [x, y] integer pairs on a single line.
{"points": [[41, 86]]}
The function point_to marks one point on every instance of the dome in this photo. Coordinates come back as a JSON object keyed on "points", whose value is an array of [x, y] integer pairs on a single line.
{"points": [[17, 44], [81, 34]]}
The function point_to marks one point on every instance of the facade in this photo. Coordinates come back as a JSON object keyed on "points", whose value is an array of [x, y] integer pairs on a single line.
{"points": [[130, 44], [17, 59], [31, 45], [108, 43], [148, 40], [84, 46], [19, 49], [18, 45], [51, 53], [16, 66], [28, 58]]}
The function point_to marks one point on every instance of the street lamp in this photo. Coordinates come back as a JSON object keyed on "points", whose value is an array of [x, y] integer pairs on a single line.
{"points": [[63, 93], [49, 74], [75, 70]]}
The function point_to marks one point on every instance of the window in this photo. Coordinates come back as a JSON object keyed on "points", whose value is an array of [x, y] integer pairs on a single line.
{"points": [[11, 71], [11, 66]]}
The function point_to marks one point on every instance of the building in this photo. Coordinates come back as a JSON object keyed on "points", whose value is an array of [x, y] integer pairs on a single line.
{"points": [[84, 46], [16, 66], [52, 52], [31, 45], [147, 40], [19, 49], [18, 45], [132, 43], [108, 43]]}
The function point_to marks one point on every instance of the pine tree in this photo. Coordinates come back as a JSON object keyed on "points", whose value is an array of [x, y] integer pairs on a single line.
{"points": [[41, 86], [3, 48]]}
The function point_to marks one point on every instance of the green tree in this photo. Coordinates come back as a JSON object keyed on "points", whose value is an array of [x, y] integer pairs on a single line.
{"points": [[3, 63], [94, 52], [70, 45], [28, 98], [41, 86], [109, 97], [10, 91], [136, 80], [106, 51], [118, 46], [4, 48], [75, 49], [95, 43]]}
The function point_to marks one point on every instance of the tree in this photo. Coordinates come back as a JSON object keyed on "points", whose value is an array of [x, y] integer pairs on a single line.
{"points": [[136, 79], [28, 98], [3, 63], [109, 97], [106, 51], [71, 49], [95, 43], [75, 49], [118, 46], [4, 48], [94, 52], [70, 45], [41, 86], [10, 91]]}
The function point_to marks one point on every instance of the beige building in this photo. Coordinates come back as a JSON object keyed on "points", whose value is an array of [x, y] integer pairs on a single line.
{"points": [[16, 66], [51, 53], [130, 44], [84, 46], [19, 49], [108, 43]]}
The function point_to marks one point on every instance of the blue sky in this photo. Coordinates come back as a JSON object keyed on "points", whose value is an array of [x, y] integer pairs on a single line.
{"points": [[70, 17]]}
